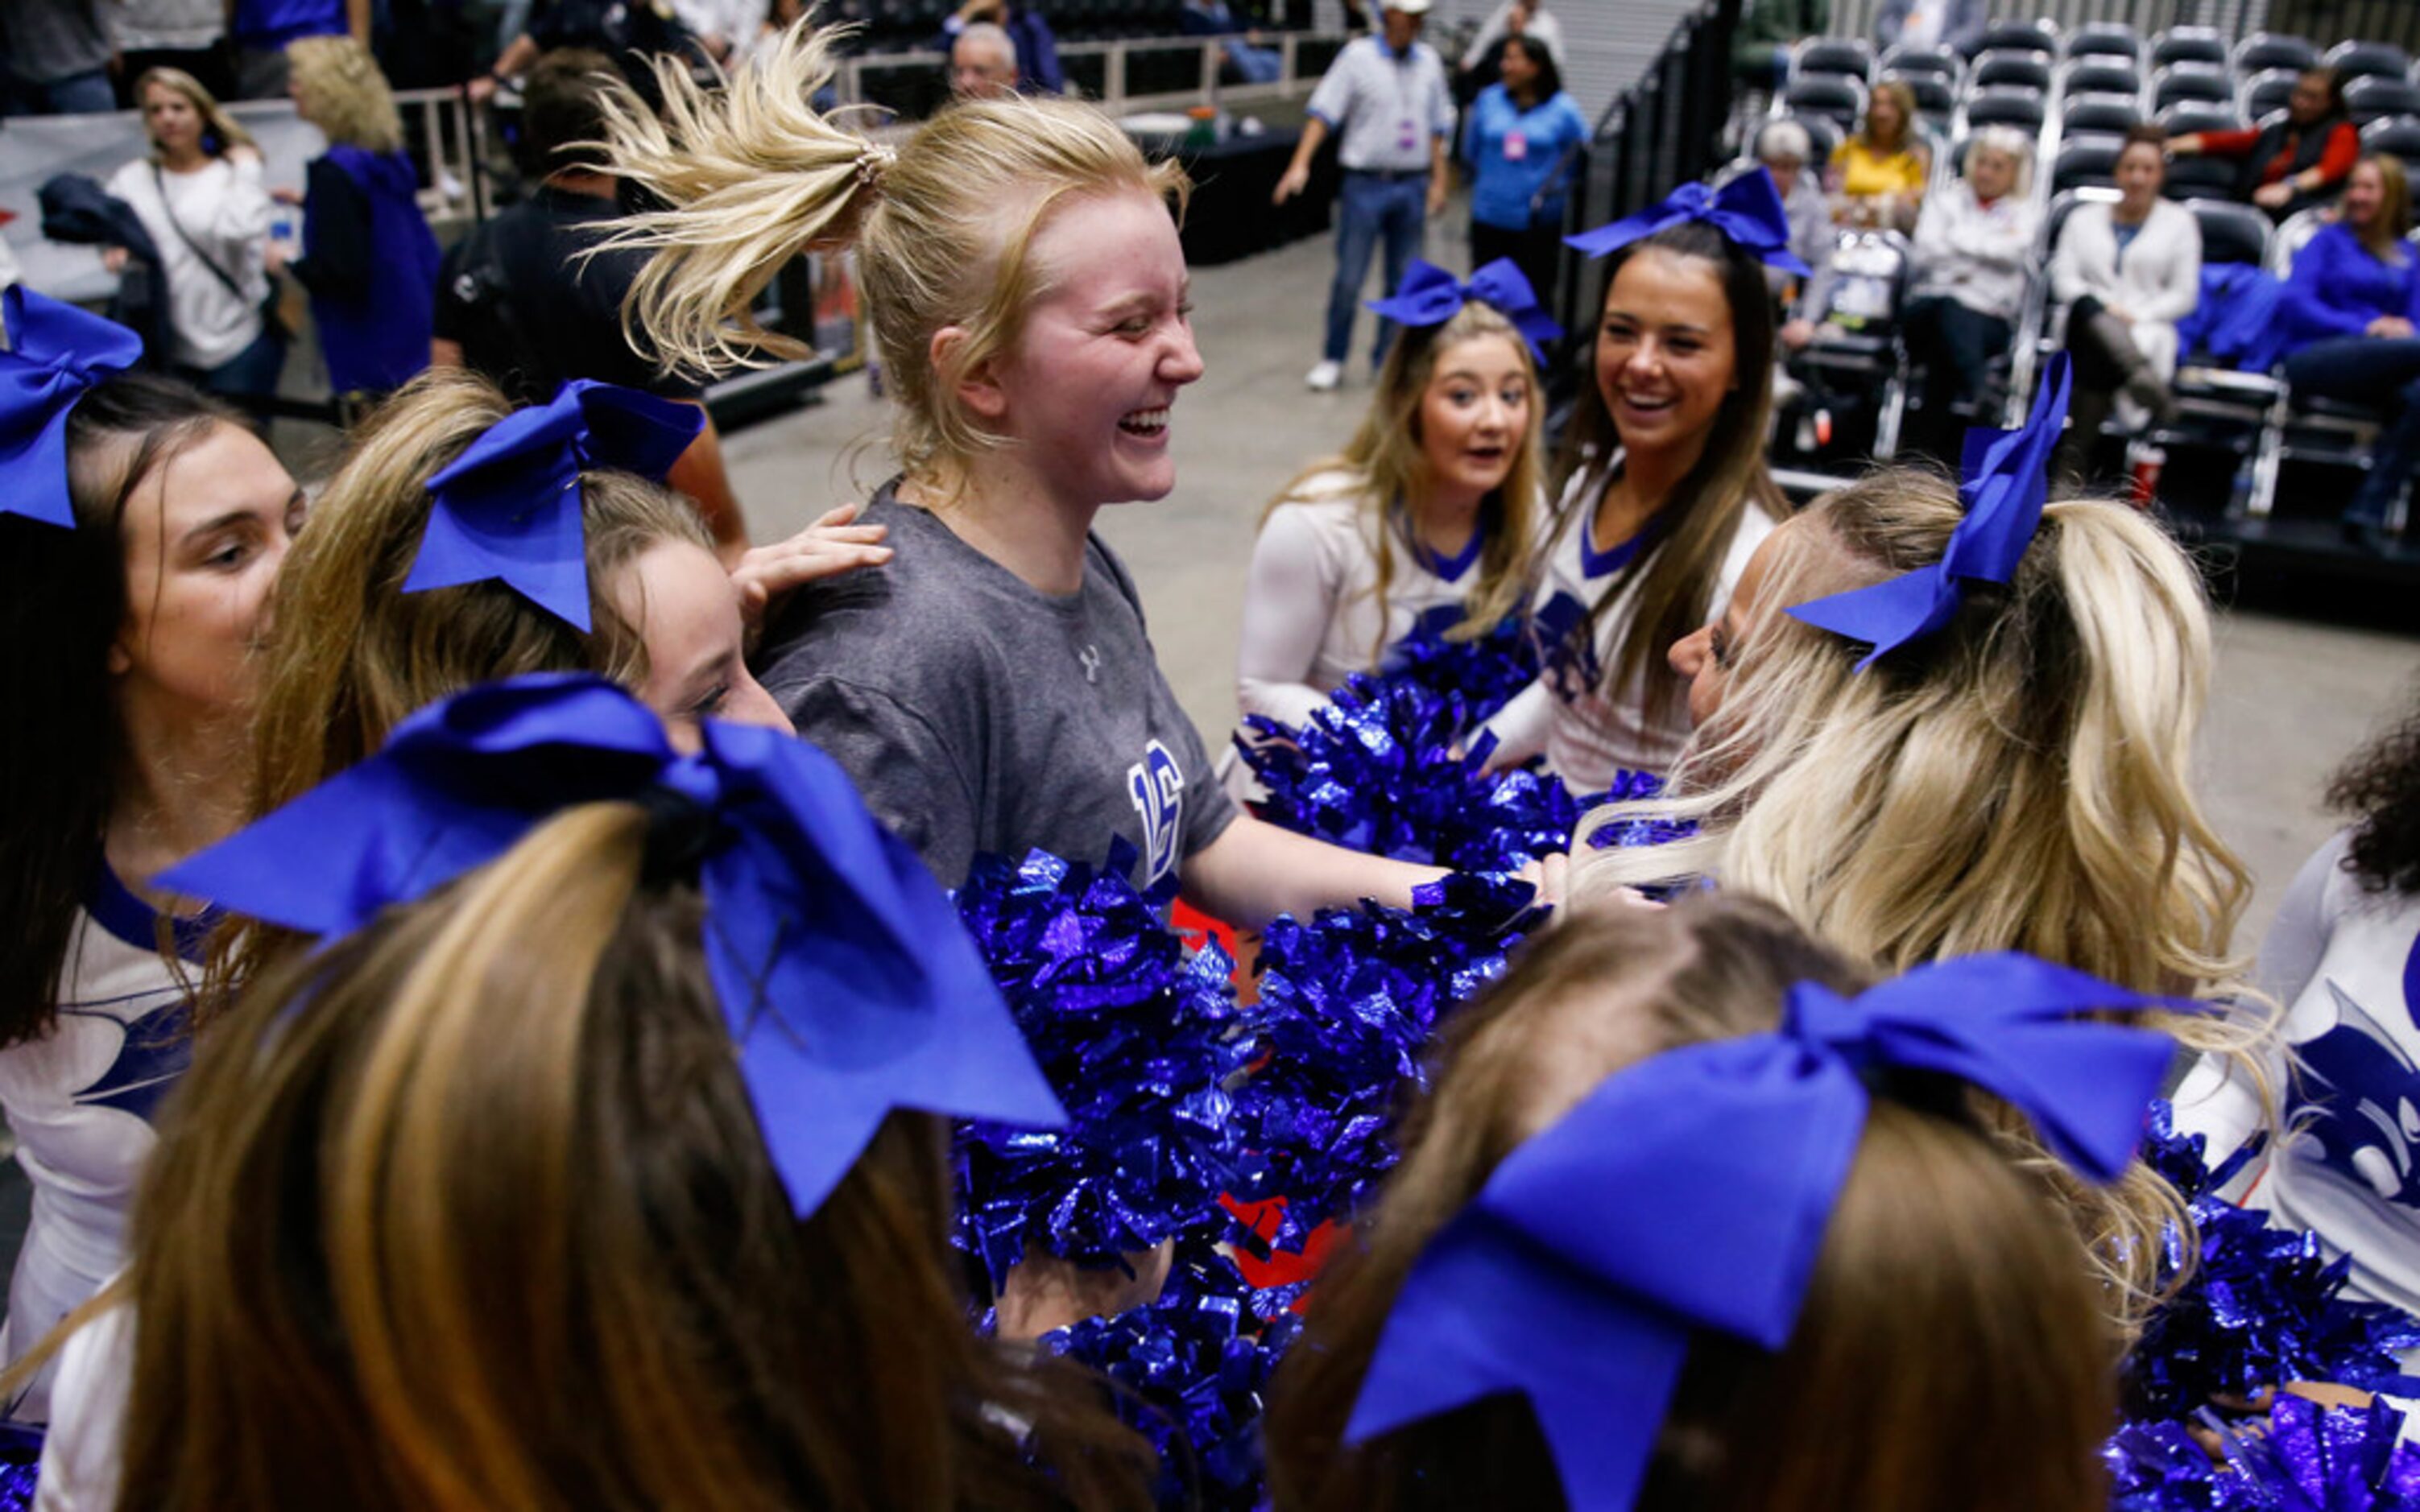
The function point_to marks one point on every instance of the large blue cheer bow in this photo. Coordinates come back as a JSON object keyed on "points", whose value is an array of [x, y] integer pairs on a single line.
{"points": [[1747, 210], [509, 506], [2006, 481], [56, 353], [1693, 1190], [843, 973], [1430, 296]]}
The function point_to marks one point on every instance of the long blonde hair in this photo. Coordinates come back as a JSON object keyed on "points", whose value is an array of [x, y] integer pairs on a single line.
{"points": [[1387, 464], [342, 90], [1937, 1255], [2021, 780], [472, 1210], [215, 120], [350, 653], [752, 177]]}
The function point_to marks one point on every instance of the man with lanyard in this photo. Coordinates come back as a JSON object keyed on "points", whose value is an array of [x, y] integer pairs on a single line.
{"points": [[1387, 100]]}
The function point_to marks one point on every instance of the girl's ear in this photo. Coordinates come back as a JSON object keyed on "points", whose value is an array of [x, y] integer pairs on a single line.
{"points": [[978, 387]]}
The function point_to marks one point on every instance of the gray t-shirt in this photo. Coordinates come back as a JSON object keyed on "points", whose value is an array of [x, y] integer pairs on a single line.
{"points": [[978, 715]]}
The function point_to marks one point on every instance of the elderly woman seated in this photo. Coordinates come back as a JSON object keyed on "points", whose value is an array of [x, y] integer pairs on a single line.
{"points": [[1973, 246]]}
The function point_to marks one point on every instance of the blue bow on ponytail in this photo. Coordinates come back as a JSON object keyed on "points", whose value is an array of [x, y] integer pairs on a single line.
{"points": [[57, 354], [509, 506], [1747, 210], [843, 974], [1693, 1191], [2006, 484], [1430, 296]]}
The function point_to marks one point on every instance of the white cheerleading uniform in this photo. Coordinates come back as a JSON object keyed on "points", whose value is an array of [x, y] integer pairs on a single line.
{"points": [[80, 1100], [1311, 613], [1585, 735]]}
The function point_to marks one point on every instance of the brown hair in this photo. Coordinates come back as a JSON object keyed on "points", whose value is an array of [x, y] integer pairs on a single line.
{"points": [[562, 111], [943, 229], [1678, 568], [1900, 93], [472, 1210], [1387, 466], [2384, 238], [351, 654], [1939, 1254]]}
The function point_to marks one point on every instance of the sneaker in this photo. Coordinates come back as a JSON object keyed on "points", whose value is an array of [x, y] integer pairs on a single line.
{"points": [[1326, 376]]}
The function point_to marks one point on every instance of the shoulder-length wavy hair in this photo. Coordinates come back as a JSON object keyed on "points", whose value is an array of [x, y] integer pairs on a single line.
{"points": [[1678, 569], [1389, 468], [2023, 779], [1939, 1254], [472, 1210], [341, 88], [2379, 788], [351, 654], [62, 607], [751, 175], [219, 128]]}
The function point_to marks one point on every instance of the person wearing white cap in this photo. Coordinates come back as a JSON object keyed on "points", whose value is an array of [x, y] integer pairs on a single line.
{"points": [[1386, 101]]}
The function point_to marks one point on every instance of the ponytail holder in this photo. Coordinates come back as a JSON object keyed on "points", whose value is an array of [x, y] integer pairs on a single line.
{"points": [[508, 507], [848, 984], [2006, 481], [57, 354], [874, 160], [1692, 1192], [1747, 210], [1430, 296]]}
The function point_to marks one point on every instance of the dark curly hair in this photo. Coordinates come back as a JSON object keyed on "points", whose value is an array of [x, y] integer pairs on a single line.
{"points": [[2380, 787]]}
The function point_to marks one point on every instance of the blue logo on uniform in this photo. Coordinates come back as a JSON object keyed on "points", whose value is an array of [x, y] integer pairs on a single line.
{"points": [[1567, 649], [157, 1049], [2366, 1118], [1155, 784]]}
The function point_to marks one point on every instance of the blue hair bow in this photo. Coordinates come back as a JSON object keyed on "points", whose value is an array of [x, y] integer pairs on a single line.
{"points": [[1430, 296], [56, 352], [1693, 1190], [847, 981], [509, 508], [1747, 210], [2006, 479]]}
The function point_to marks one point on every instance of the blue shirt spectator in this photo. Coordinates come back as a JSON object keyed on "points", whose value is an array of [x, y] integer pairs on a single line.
{"points": [[1520, 157], [2338, 287]]}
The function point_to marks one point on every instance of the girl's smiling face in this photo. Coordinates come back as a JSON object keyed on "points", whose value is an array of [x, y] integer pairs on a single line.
{"points": [[1087, 393]]}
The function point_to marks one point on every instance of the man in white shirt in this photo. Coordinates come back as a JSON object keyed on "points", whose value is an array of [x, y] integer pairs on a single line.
{"points": [[1386, 101]]}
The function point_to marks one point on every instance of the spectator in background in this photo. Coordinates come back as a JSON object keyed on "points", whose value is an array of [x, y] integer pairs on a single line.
{"points": [[55, 58], [1037, 50], [728, 30], [1520, 140], [173, 34], [629, 36], [2293, 164], [1767, 30], [2349, 310], [1248, 59], [1879, 175], [1384, 100], [1955, 25], [983, 62], [2127, 274], [518, 303], [1972, 248], [1783, 147], [369, 258], [200, 195], [263, 27], [1515, 18]]}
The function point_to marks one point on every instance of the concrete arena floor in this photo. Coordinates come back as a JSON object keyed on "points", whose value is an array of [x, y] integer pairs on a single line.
{"points": [[2292, 697]]}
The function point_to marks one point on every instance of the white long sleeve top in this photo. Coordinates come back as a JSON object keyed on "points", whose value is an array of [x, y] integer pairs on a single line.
{"points": [[1974, 252]]}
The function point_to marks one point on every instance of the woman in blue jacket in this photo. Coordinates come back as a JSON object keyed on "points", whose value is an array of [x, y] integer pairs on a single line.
{"points": [[2349, 313], [1519, 141]]}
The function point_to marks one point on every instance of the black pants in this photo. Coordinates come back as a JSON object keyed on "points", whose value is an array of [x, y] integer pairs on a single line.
{"points": [[1955, 347], [1535, 252]]}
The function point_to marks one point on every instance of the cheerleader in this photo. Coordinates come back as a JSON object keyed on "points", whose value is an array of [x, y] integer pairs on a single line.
{"points": [[992, 689], [1820, 1277], [521, 1190], [1665, 493], [141, 525], [1935, 722], [1426, 522]]}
